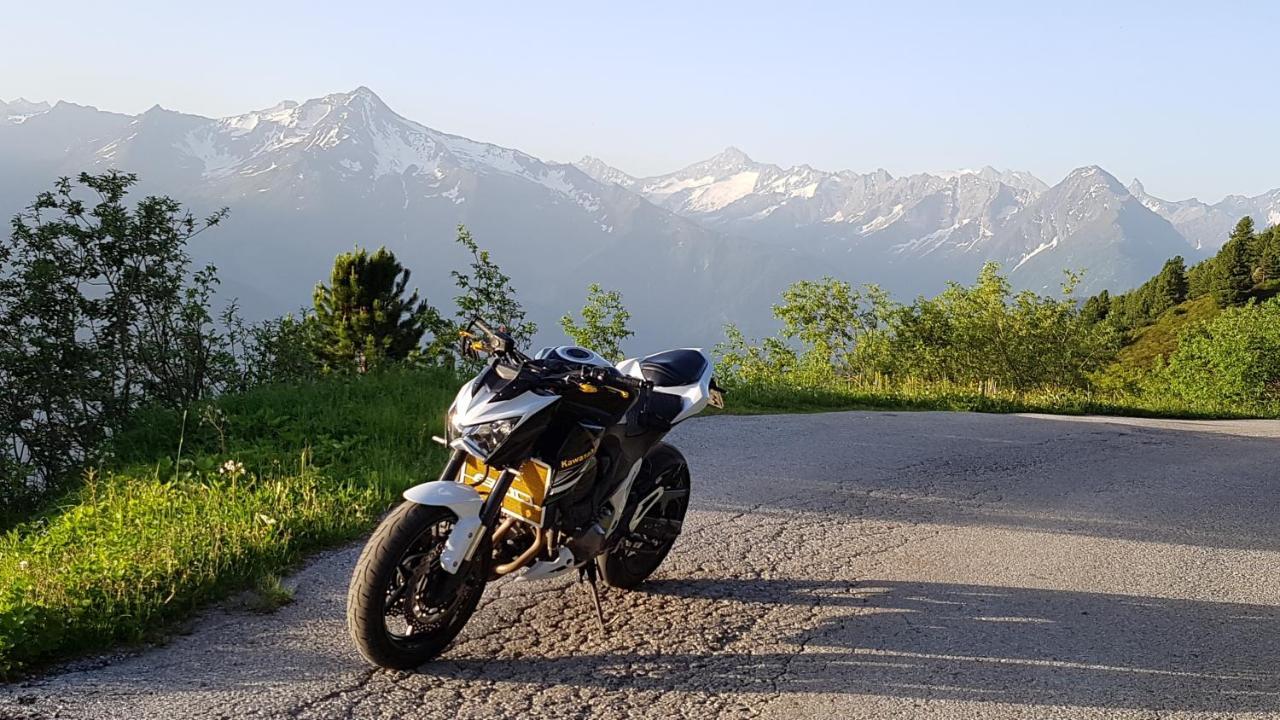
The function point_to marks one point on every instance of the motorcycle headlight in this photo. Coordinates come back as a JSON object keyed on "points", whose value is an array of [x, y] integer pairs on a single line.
{"points": [[488, 437], [451, 428]]}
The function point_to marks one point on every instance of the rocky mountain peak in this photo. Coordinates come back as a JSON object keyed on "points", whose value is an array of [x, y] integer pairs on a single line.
{"points": [[23, 106], [1092, 178], [604, 172]]}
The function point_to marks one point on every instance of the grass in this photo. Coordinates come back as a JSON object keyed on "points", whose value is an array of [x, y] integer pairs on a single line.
{"points": [[269, 595], [265, 478], [836, 395]]}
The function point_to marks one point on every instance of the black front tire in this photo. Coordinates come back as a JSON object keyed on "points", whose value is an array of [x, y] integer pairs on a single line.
{"points": [[637, 555], [409, 530]]}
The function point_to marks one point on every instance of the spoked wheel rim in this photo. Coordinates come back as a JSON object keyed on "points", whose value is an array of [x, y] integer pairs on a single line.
{"points": [[421, 598]]}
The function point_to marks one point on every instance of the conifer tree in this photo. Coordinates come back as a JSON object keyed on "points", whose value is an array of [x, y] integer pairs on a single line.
{"points": [[1269, 255], [1096, 308], [1170, 286], [363, 314], [1233, 278]]}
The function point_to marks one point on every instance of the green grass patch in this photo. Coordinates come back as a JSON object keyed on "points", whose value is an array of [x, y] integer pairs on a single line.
{"points": [[269, 595], [840, 394], [261, 479]]}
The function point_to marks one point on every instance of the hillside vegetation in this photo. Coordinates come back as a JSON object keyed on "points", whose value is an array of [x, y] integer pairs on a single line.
{"points": [[1195, 342]]}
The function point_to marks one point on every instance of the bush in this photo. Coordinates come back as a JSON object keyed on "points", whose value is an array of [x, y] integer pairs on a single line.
{"points": [[970, 335], [100, 313], [1232, 359]]}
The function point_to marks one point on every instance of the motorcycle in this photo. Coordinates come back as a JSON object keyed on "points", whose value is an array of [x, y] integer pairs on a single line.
{"points": [[557, 465]]}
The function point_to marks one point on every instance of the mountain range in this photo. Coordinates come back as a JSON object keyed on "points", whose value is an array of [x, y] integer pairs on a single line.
{"points": [[713, 242]]}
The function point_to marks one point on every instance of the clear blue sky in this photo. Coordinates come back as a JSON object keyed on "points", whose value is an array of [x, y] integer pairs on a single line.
{"points": [[1185, 96]]}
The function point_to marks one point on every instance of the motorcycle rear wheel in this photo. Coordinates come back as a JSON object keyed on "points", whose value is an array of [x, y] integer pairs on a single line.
{"points": [[403, 609], [639, 553]]}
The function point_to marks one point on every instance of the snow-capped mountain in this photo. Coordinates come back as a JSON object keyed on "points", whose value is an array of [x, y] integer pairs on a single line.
{"points": [[920, 230], [307, 180], [1207, 226], [19, 110], [1019, 179], [912, 215], [713, 242]]}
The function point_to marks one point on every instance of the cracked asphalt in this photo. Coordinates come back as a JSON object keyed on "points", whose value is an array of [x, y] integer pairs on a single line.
{"points": [[851, 565]]}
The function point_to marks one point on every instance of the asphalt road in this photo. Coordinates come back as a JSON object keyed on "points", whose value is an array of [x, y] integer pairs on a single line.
{"points": [[851, 565]]}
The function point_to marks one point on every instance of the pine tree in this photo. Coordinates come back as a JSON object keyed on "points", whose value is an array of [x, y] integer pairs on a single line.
{"points": [[1233, 278], [363, 315], [604, 323], [1097, 308], [1269, 260], [1200, 279], [1170, 286]]}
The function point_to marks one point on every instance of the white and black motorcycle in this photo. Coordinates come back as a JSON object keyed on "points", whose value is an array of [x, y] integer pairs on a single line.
{"points": [[557, 466]]}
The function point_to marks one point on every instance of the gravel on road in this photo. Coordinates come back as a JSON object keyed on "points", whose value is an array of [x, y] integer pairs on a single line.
{"points": [[844, 565]]}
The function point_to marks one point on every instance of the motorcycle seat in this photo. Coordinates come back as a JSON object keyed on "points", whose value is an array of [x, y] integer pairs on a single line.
{"points": [[673, 368]]}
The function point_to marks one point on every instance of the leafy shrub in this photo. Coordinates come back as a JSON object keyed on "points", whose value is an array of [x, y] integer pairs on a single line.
{"points": [[100, 314], [1233, 358], [981, 334]]}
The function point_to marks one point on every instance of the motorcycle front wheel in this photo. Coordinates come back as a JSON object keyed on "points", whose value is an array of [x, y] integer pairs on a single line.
{"points": [[403, 609]]}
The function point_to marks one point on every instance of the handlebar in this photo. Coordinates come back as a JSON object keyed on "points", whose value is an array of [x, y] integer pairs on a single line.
{"points": [[607, 378], [482, 327], [501, 343]]}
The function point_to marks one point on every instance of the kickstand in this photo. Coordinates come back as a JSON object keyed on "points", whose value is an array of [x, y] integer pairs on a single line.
{"points": [[589, 573]]}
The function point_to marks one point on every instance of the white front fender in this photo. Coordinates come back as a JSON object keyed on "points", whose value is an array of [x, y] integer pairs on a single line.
{"points": [[465, 503]]}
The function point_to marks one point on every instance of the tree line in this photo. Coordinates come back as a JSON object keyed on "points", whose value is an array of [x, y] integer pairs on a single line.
{"points": [[1242, 270]]}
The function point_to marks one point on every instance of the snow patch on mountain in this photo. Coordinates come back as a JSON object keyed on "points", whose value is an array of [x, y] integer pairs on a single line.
{"points": [[356, 134], [1039, 249], [204, 146]]}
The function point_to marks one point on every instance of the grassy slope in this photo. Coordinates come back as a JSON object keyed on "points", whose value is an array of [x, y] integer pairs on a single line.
{"points": [[148, 540], [1160, 338]]}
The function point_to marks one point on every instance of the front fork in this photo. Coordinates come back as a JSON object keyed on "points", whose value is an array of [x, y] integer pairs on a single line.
{"points": [[477, 516]]}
